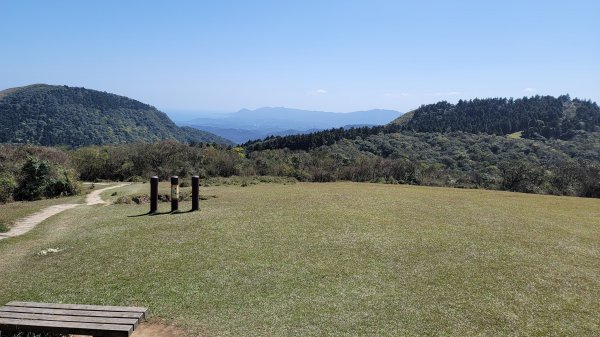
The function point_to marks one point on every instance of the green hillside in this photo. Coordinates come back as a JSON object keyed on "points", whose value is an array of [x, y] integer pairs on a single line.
{"points": [[538, 117], [60, 115]]}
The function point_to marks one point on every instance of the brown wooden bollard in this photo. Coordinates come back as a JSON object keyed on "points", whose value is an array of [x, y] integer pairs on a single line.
{"points": [[153, 194], [195, 193], [174, 193]]}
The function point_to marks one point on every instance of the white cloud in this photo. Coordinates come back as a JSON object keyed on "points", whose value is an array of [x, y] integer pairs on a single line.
{"points": [[447, 93], [530, 90], [318, 92], [397, 94]]}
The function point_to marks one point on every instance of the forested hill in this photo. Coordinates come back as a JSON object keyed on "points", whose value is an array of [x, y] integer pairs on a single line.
{"points": [[538, 117], [60, 115]]}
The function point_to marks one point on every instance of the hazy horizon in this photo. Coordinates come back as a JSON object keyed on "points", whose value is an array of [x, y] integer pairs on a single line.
{"points": [[188, 115]]}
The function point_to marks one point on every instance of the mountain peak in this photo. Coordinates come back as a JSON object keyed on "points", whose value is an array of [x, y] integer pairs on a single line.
{"points": [[60, 115]]}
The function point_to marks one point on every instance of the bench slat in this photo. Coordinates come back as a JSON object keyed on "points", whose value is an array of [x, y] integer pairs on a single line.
{"points": [[92, 313], [80, 319], [76, 306], [93, 329]]}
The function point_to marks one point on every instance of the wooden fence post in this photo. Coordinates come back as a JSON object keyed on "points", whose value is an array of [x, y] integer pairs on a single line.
{"points": [[174, 193], [195, 193], [153, 194]]}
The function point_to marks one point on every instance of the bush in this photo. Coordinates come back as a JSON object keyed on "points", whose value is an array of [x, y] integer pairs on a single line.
{"points": [[35, 175], [7, 187], [3, 227], [39, 178], [518, 176], [141, 199], [66, 184], [124, 200]]}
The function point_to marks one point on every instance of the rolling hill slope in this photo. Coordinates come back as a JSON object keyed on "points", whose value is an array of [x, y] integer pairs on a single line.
{"points": [[60, 115], [538, 118]]}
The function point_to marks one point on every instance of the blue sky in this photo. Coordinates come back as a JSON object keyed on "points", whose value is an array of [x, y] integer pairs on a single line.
{"points": [[320, 55]]}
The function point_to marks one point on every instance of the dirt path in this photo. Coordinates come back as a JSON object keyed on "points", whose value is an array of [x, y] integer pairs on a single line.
{"points": [[153, 330], [94, 197], [26, 224]]}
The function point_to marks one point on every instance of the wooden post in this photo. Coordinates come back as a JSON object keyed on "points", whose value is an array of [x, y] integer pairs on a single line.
{"points": [[174, 193], [153, 194], [195, 193]]}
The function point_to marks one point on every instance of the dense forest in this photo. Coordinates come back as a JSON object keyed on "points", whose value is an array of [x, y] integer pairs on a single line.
{"points": [[60, 115], [539, 117]]}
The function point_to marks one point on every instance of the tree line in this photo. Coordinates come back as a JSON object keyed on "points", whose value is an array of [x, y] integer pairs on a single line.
{"points": [[538, 117], [456, 159]]}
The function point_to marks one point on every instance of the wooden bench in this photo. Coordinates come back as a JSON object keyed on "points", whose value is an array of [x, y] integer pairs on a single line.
{"points": [[70, 319]]}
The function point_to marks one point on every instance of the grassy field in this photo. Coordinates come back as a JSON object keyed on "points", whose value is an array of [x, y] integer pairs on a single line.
{"points": [[340, 259]]}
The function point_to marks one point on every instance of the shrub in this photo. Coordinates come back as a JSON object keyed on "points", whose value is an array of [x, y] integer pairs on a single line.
{"points": [[64, 185], [35, 175], [126, 199], [140, 198], [39, 178], [7, 187]]}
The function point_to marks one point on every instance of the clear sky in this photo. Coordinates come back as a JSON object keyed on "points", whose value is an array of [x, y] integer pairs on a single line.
{"points": [[321, 55]]}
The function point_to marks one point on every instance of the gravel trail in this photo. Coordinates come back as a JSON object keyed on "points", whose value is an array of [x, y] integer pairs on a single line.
{"points": [[27, 223]]}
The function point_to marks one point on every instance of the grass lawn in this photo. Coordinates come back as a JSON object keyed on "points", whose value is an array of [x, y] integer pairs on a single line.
{"points": [[327, 259]]}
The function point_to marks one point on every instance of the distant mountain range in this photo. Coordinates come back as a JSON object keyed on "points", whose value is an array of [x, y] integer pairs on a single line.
{"points": [[245, 124], [538, 118], [59, 115]]}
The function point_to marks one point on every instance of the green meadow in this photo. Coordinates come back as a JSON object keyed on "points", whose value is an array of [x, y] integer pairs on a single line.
{"points": [[325, 259]]}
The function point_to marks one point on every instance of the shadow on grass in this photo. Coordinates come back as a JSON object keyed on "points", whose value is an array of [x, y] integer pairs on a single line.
{"points": [[161, 213]]}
